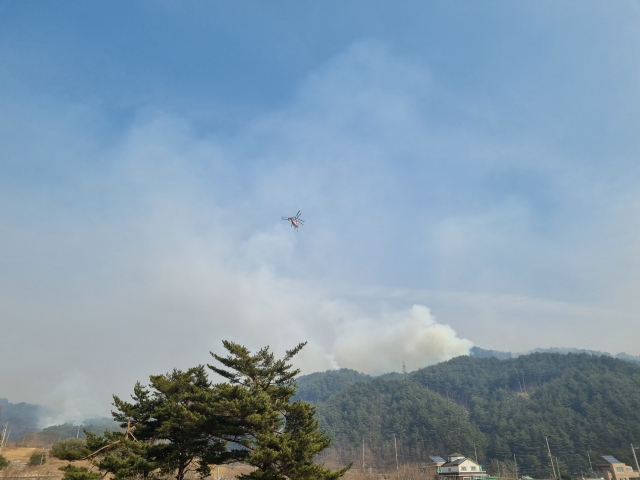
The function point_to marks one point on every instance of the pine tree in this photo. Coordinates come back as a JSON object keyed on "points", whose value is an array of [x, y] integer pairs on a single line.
{"points": [[71, 472], [71, 449], [122, 457], [169, 410], [277, 436], [182, 423]]}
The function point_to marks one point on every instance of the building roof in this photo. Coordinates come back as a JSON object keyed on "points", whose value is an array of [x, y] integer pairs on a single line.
{"points": [[456, 455], [437, 459], [454, 462], [611, 459]]}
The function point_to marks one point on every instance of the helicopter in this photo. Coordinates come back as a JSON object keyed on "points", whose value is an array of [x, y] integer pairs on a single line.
{"points": [[295, 221]]}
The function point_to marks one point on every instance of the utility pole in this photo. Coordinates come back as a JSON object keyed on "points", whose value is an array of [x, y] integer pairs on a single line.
{"points": [[516, 464], [558, 464], [363, 454], [590, 466], [395, 444], [476, 452], [4, 432], [551, 458], [633, 450], [78, 433], [40, 466]]}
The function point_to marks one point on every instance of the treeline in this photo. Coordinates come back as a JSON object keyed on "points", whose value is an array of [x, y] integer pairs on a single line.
{"points": [[586, 406], [55, 433]]}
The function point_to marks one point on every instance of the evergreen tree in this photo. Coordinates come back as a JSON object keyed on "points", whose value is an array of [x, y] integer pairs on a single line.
{"points": [[277, 436], [170, 411], [120, 456], [71, 472], [71, 449], [37, 458], [182, 423]]}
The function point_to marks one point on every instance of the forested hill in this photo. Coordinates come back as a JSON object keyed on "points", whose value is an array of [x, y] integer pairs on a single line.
{"points": [[318, 387], [581, 403], [23, 417], [483, 353]]}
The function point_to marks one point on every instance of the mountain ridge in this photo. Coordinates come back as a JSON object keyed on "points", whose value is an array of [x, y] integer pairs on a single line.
{"points": [[586, 405]]}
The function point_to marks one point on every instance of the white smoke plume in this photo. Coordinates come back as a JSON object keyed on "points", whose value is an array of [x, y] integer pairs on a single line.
{"points": [[162, 241], [412, 336]]}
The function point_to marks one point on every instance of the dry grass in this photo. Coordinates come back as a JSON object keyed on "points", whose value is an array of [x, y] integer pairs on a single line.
{"points": [[405, 472], [228, 471], [50, 468], [21, 456]]}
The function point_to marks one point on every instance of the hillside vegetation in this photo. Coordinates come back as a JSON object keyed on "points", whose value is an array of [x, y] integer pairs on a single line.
{"points": [[581, 403], [382, 408], [318, 387]]}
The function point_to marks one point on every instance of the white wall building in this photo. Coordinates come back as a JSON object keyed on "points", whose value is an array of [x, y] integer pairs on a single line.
{"points": [[458, 467]]}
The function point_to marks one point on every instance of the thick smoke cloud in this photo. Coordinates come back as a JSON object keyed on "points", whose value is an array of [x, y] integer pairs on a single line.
{"points": [[411, 336], [134, 251], [157, 247]]}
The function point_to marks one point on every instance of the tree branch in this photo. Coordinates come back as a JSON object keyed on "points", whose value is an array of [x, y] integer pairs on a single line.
{"points": [[236, 441], [106, 446]]}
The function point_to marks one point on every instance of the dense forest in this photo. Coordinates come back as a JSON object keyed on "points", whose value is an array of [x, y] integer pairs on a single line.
{"points": [[318, 387], [585, 405], [483, 353]]}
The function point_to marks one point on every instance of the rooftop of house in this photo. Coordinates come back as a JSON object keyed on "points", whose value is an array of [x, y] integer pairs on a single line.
{"points": [[611, 459], [453, 463]]}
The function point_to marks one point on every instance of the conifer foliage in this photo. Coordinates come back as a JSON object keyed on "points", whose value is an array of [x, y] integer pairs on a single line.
{"points": [[171, 411], [277, 436], [120, 456]]}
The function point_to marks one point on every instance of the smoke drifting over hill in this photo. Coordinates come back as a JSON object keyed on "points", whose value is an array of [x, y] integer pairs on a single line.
{"points": [[411, 336], [134, 239]]}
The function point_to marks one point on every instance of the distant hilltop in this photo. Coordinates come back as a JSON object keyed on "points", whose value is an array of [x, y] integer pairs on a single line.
{"points": [[483, 353], [26, 418], [23, 417]]}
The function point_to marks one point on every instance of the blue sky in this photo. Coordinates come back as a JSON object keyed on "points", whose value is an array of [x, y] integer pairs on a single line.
{"points": [[468, 173]]}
